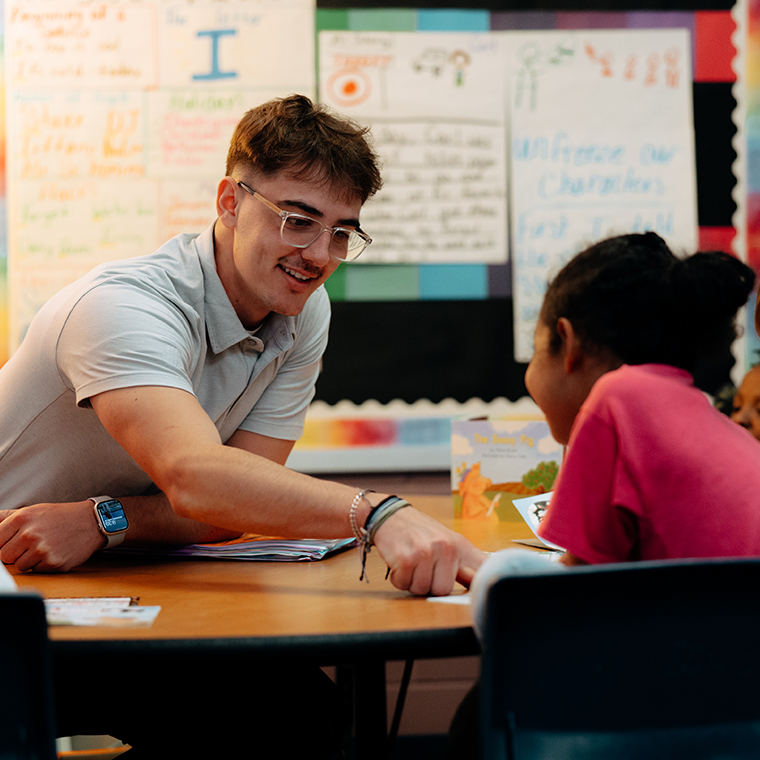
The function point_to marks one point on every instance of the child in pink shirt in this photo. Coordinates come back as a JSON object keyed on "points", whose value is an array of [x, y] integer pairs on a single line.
{"points": [[651, 470]]}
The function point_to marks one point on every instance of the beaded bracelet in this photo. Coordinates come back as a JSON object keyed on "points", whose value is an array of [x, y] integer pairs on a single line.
{"points": [[358, 532]]}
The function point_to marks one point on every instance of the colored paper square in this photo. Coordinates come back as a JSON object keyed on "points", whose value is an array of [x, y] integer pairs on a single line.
{"points": [[453, 21], [455, 282], [660, 20], [336, 284], [500, 280], [717, 239], [714, 50], [590, 20], [519, 20], [384, 282], [383, 20], [331, 19]]}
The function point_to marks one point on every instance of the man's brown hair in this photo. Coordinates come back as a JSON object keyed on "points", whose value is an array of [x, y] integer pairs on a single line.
{"points": [[308, 141]]}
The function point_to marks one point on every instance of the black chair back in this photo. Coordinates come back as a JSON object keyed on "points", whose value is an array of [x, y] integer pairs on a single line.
{"points": [[27, 729], [635, 661]]}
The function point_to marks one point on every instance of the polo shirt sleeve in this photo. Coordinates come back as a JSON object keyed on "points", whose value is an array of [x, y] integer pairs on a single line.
{"points": [[585, 515], [281, 410], [120, 336]]}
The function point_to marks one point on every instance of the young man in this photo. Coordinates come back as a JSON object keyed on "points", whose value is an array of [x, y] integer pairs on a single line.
{"points": [[176, 384]]}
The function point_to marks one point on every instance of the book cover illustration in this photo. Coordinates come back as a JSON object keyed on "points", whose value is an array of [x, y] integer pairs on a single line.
{"points": [[497, 460]]}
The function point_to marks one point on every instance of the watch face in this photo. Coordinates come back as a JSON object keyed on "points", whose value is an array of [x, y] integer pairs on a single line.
{"points": [[112, 516]]}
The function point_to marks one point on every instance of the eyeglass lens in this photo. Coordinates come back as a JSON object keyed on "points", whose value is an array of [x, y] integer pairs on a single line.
{"points": [[302, 231]]}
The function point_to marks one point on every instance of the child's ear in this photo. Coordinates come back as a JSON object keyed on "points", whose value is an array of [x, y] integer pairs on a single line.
{"points": [[573, 351]]}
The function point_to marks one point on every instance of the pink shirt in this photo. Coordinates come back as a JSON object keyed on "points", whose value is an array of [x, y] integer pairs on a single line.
{"points": [[653, 471]]}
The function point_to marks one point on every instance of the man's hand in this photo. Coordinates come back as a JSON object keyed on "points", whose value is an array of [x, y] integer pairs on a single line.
{"points": [[425, 557], [49, 538]]}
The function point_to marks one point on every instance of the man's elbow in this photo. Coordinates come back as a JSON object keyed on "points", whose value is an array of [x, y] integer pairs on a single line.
{"points": [[178, 482]]}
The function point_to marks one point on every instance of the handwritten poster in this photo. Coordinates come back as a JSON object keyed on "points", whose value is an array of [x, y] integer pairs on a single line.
{"points": [[437, 106], [119, 118], [602, 143]]}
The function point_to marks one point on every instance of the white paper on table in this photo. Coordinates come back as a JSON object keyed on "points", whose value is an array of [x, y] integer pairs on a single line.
{"points": [[6, 580], [451, 599]]}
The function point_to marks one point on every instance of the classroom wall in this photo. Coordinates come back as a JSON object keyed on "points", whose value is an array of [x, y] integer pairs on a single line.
{"points": [[401, 329]]}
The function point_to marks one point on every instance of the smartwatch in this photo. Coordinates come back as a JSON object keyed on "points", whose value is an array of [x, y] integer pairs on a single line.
{"points": [[111, 520]]}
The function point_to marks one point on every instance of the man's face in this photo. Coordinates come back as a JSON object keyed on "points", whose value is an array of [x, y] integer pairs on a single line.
{"points": [[264, 274]]}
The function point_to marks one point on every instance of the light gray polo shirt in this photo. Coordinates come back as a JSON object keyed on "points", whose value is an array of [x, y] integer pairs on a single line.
{"points": [[162, 319]]}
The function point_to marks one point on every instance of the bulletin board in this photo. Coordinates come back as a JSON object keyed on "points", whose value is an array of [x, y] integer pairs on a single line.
{"points": [[451, 331]]}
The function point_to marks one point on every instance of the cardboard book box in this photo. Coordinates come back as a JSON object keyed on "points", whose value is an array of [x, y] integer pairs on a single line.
{"points": [[496, 460]]}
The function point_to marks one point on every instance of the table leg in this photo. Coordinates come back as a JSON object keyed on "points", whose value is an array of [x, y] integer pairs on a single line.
{"points": [[370, 712]]}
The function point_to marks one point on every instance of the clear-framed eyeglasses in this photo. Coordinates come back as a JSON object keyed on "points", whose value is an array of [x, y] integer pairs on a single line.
{"points": [[301, 231]]}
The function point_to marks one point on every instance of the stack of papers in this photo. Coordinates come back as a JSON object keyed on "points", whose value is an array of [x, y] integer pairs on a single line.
{"points": [[249, 547], [111, 611]]}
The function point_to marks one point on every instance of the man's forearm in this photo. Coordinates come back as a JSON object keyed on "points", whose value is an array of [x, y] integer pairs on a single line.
{"points": [[153, 521]]}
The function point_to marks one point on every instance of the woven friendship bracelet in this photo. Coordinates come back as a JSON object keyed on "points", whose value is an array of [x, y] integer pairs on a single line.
{"points": [[375, 519], [381, 513]]}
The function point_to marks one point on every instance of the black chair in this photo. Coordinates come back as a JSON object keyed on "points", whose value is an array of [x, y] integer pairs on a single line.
{"points": [[635, 661], [27, 729]]}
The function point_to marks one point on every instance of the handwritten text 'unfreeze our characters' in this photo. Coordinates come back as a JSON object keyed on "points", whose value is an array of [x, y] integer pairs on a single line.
{"points": [[601, 169]]}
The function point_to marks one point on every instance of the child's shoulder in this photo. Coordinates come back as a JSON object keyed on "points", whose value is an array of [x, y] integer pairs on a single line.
{"points": [[650, 375], [631, 383]]}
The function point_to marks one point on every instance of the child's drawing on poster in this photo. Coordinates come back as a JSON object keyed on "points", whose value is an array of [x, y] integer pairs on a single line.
{"points": [[602, 144], [436, 103]]}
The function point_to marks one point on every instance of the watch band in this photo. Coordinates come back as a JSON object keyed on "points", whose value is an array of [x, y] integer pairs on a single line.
{"points": [[111, 539]]}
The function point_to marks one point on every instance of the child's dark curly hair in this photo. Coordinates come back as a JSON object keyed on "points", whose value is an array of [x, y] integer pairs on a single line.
{"points": [[632, 296]]}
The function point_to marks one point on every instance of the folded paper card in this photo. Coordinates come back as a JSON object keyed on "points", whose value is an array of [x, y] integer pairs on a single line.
{"points": [[532, 509]]}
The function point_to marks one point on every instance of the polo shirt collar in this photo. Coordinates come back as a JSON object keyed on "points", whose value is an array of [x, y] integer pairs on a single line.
{"points": [[223, 325]]}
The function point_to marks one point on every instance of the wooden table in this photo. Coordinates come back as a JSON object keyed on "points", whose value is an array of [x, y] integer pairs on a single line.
{"points": [[318, 612]]}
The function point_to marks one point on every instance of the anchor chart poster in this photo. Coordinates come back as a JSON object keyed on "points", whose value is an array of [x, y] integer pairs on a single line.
{"points": [[602, 143], [119, 118]]}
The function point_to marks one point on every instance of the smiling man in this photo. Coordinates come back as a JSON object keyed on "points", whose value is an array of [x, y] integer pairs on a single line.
{"points": [[177, 383]]}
